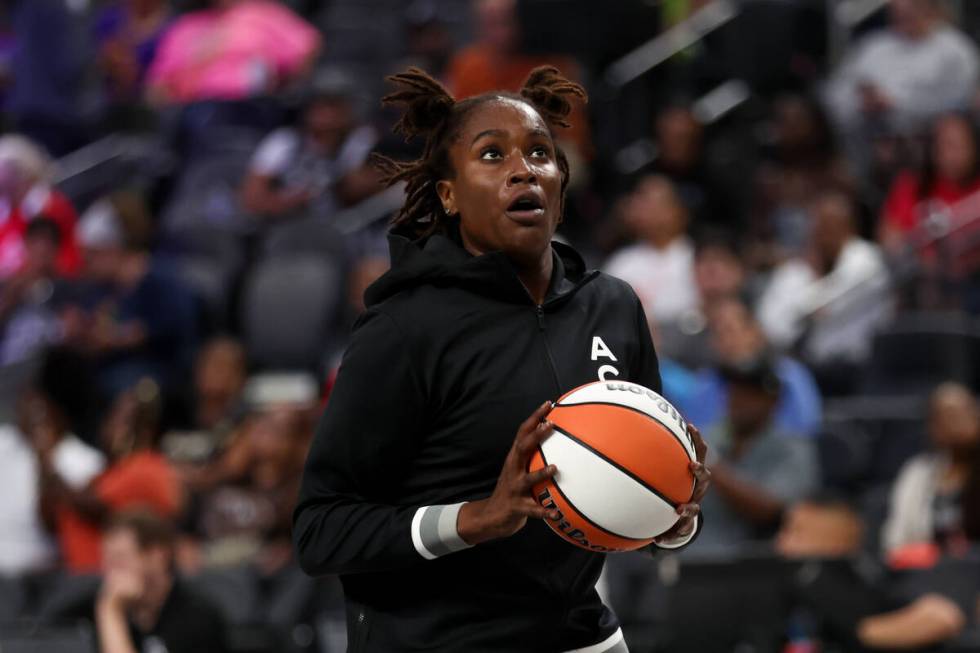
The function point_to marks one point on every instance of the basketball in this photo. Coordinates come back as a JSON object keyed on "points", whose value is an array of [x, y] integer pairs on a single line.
{"points": [[623, 456]]}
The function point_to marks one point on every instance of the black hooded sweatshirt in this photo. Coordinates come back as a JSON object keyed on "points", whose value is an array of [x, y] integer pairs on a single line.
{"points": [[448, 360]]}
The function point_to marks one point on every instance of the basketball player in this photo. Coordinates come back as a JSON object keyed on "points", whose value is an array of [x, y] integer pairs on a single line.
{"points": [[415, 490]]}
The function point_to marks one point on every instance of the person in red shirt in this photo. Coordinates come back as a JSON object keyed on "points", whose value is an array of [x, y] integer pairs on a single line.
{"points": [[137, 476], [495, 62], [951, 173], [25, 194]]}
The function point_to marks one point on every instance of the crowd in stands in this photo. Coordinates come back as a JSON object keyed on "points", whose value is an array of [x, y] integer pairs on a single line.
{"points": [[189, 220]]}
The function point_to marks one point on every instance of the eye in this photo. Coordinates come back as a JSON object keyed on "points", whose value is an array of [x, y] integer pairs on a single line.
{"points": [[490, 154], [540, 152]]}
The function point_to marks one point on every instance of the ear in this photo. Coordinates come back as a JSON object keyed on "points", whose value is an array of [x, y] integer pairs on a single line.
{"points": [[446, 190]]}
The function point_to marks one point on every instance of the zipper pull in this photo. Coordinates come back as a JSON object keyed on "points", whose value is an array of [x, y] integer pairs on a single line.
{"points": [[540, 311]]}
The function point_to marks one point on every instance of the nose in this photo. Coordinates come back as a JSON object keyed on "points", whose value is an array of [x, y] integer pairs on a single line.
{"points": [[522, 173]]}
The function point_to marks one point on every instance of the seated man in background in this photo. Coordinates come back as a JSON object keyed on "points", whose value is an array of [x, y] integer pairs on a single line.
{"points": [[321, 166], [874, 610], [141, 605], [756, 473]]}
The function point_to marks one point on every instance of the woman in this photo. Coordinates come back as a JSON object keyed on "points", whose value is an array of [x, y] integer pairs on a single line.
{"points": [[950, 174], [926, 513], [414, 491]]}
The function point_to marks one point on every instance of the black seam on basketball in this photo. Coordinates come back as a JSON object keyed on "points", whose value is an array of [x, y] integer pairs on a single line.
{"points": [[581, 513], [635, 410], [575, 439]]}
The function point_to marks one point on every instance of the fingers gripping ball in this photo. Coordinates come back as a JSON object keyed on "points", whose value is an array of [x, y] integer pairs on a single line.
{"points": [[623, 455]]}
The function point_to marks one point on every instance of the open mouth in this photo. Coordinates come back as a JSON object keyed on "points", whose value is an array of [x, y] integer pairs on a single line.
{"points": [[527, 206]]}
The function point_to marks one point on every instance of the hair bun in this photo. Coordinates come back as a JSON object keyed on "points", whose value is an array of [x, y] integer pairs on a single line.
{"points": [[427, 102], [549, 91]]}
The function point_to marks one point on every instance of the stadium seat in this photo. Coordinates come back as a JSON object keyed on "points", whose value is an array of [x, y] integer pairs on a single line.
{"points": [[288, 305], [207, 197], [12, 599], [919, 351], [75, 639], [233, 590]]}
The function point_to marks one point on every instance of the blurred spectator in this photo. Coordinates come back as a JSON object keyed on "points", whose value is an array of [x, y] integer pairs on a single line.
{"points": [[902, 76], [320, 166], [830, 305], [141, 604], [41, 432], [137, 476], [495, 62], [800, 158], [429, 40], [219, 380], [660, 265], [25, 194], [950, 173], [53, 99], [143, 323], [247, 520], [925, 515], [31, 301], [756, 472], [735, 339], [233, 50], [128, 33], [859, 607], [681, 158]]}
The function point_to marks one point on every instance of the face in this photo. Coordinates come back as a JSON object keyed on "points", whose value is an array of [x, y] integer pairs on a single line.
{"points": [[654, 213], [832, 227], [954, 422], [795, 125], [102, 264], [497, 24], [718, 272], [41, 253], [735, 335], [328, 120], [749, 407], [220, 372], [679, 138], [953, 149], [127, 564], [117, 428], [507, 185], [910, 17]]}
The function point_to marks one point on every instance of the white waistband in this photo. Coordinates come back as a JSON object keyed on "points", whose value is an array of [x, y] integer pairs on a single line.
{"points": [[602, 646]]}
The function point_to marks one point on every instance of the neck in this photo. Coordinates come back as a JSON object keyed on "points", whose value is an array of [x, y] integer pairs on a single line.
{"points": [[536, 278]]}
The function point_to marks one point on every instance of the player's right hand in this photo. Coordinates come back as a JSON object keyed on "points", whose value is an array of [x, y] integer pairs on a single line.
{"points": [[506, 511]]}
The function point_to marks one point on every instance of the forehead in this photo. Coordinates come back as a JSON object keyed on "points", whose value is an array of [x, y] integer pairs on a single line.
{"points": [[503, 113]]}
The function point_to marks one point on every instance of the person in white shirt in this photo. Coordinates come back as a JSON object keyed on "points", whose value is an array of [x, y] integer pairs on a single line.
{"points": [[831, 304], [660, 264], [25, 545], [903, 76]]}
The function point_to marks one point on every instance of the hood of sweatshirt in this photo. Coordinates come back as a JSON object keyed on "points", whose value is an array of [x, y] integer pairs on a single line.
{"points": [[441, 260]]}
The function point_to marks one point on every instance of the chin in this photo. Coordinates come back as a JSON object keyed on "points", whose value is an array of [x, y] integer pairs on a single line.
{"points": [[527, 246]]}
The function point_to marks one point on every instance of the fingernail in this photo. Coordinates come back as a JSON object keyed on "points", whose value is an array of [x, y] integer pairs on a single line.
{"points": [[553, 515]]}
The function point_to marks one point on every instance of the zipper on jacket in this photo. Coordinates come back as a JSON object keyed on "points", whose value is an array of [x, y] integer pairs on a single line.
{"points": [[551, 359]]}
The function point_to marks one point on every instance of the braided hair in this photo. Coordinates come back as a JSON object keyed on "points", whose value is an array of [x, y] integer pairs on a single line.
{"points": [[431, 112]]}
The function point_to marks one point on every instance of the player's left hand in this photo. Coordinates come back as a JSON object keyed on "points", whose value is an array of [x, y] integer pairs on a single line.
{"points": [[690, 510]]}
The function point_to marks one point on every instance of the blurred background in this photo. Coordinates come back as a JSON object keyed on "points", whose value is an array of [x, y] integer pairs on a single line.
{"points": [[188, 223]]}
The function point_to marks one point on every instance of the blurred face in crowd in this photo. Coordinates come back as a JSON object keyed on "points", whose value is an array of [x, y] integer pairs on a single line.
{"points": [[40, 252], [136, 569], [654, 212], [812, 530], [102, 262], [39, 419], [735, 335], [718, 272], [506, 185], [953, 149], [328, 120], [220, 371], [679, 136], [833, 226], [913, 18], [497, 25], [132, 419], [954, 420], [749, 408]]}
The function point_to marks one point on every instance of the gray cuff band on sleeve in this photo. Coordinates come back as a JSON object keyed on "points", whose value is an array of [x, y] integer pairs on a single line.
{"points": [[434, 531]]}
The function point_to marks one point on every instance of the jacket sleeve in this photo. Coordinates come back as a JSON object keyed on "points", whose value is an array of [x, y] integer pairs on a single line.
{"points": [[348, 518]]}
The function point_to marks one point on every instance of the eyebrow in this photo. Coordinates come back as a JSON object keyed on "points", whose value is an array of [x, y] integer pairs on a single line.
{"points": [[500, 132]]}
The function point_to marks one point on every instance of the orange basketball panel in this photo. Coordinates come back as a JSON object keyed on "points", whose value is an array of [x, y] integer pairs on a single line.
{"points": [[634, 442]]}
